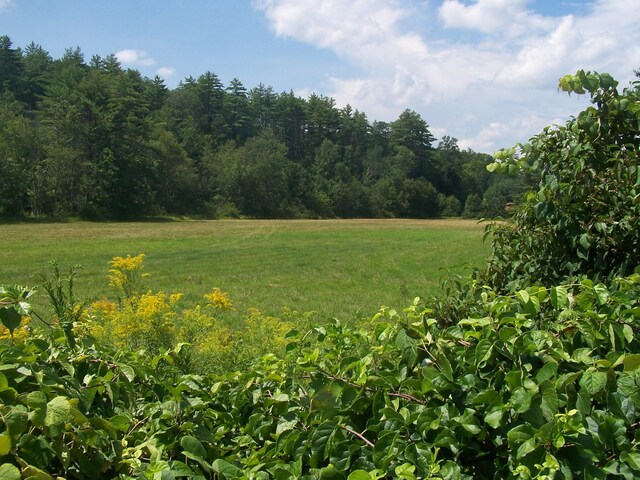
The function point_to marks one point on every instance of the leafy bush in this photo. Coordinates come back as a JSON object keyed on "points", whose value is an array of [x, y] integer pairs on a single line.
{"points": [[583, 219], [539, 384]]}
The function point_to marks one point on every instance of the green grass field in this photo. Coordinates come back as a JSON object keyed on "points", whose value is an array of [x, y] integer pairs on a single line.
{"points": [[341, 268]]}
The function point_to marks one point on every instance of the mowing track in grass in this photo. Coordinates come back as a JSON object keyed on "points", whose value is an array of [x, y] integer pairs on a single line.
{"points": [[341, 268]]}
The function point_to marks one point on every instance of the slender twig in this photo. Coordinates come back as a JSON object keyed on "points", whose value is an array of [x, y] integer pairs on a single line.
{"points": [[359, 435], [405, 396], [41, 319]]}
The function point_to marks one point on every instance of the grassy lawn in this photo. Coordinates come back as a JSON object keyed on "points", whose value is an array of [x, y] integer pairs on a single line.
{"points": [[341, 268]]}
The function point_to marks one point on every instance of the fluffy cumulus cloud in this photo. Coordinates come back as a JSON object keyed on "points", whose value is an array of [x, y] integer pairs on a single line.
{"points": [[165, 72], [484, 71], [494, 17], [135, 57]]}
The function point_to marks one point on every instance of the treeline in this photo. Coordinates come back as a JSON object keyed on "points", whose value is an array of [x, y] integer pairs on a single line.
{"points": [[94, 140]]}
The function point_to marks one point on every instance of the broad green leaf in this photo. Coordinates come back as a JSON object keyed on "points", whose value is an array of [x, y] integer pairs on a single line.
{"points": [[469, 422], [612, 432], [627, 331], [631, 362], [227, 470], [417, 456], [408, 346], [321, 443], [584, 241], [517, 435], [127, 371], [358, 475], [5, 444], [559, 297], [58, 411], [284, 425], [193, 446], [632, 459], [476, 322], [384, 446], [521, 400], [35, 450], [33, 473], [549, 404], [330, 472], [36, 399], [494, 418], [547, 371], [107, 426], [10, 318], [9, 472], [180, 469], [17, 420], [341, 457], [593, 381], [527, 447], [523, 296], [602, 293], [445, 366], [583, 402], [483, 351], [405, 471]]}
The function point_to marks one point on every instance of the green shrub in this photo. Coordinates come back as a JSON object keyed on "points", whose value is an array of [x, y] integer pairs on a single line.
{"points": [[583, 219]]}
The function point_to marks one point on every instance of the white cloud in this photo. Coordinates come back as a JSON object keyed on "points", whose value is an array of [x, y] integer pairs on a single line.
{"points": [[5, 4], [500, 17], [134, 57], [165, 71], [489, 77]]}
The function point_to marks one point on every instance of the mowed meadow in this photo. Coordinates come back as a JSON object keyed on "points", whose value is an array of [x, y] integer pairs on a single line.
{"points": [[336, 268]]}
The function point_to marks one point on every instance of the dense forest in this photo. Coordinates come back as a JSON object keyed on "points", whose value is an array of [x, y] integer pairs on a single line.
{"points": [[96, 141]]}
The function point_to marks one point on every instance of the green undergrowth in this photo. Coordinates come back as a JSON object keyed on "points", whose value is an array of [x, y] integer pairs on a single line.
{"points": [[544, 383]]}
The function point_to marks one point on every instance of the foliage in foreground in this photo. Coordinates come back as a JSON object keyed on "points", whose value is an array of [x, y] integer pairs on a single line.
{"points": [[541, 384]]}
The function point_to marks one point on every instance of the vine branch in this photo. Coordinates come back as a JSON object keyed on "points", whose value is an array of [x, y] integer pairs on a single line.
{"points": [[359, 435]]}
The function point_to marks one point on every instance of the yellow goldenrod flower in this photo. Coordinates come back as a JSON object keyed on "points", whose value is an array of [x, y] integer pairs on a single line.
{"points": [[129, 263], [126, 274], [19, 334], [175, 298], [218, 299]]}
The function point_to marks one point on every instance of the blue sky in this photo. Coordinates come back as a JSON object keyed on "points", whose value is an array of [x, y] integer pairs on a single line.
{"points": [[483, 71]]}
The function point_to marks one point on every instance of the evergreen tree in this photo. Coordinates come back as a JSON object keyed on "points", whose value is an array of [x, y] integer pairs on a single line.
{"points": [[10, 67]]}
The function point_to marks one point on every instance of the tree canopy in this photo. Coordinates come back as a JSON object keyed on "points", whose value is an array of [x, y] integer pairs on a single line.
{"points": [[95, 140]]}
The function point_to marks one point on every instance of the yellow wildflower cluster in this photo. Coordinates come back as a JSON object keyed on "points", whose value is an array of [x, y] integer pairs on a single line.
{"points": [[264, 333], [126, 273], [218, 299], [154, 321], [194, 324], [143, 321], [19, 334], [127, 263]]}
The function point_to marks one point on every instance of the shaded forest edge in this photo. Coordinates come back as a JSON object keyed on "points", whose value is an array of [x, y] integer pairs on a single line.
{"points": [[91, 140]]}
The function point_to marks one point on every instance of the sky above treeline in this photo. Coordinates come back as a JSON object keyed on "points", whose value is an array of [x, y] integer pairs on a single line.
{"points": [[483, 71]]}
